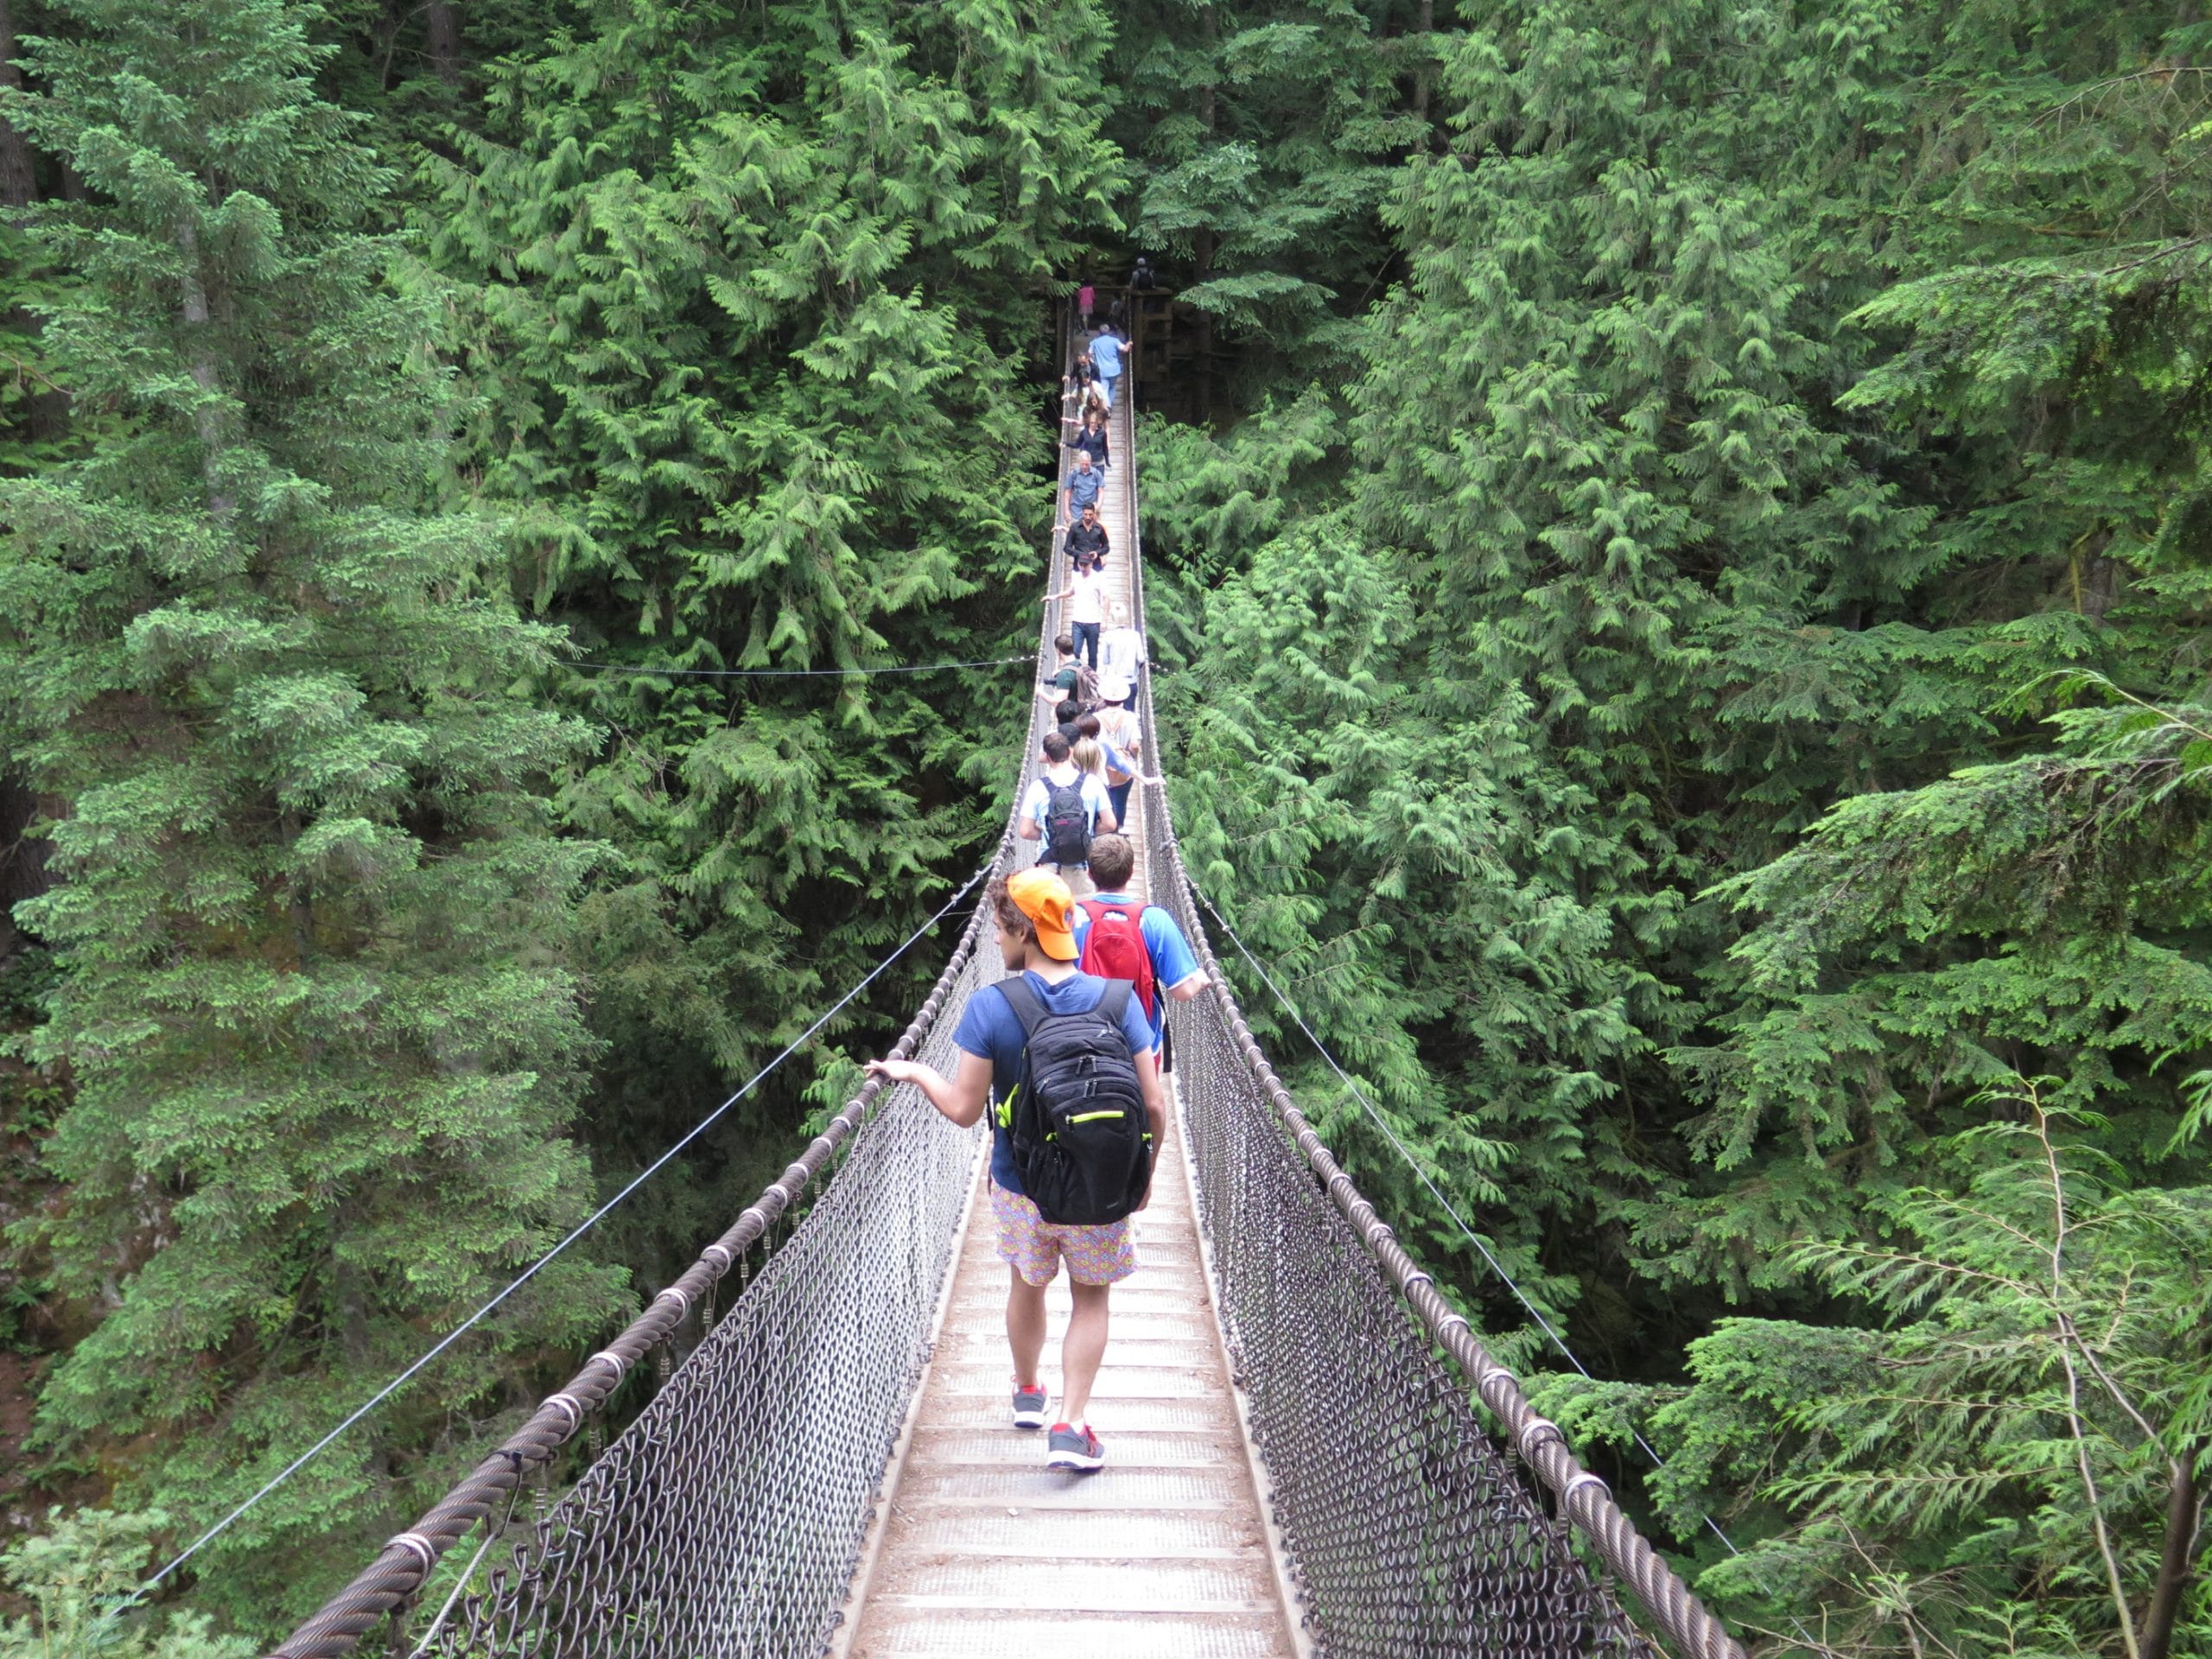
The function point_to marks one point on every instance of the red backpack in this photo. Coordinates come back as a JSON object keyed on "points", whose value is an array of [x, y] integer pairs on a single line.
{"points": [[1113, 948]]}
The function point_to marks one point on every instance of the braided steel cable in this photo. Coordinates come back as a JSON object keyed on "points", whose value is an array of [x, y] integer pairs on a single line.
{"points": [[907, 1144], [727, 1517], [1337, 1528]]}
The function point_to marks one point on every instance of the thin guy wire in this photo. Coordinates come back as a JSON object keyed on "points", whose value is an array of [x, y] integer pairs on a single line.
{"points": [[581, 1228], [796, 673], [1414, 1164], [491, 1536], [1322, 1049]]}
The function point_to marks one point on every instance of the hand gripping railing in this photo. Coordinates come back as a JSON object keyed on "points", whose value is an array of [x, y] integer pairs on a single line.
{"points": [[1408, 1533]]}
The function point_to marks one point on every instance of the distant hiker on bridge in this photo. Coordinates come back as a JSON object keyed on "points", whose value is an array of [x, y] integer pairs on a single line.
{"points": [[1142, 279], [1083, 485], [1088, 757], [1121, 770], [1088, 536], [1091, 439], [1121, 938], [1085, 594], [1121, 654], [1063, 809], [1069, 680], [1107, 354], [1086, 301], [1053, 1048]]}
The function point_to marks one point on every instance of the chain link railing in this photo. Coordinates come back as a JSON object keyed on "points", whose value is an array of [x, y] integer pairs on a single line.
{"points": [[1409, 1532], [728, 1518]]}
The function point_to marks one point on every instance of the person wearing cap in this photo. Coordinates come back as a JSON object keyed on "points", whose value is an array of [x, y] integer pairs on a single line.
{"points": [[1085, 594], [1034, 911]]}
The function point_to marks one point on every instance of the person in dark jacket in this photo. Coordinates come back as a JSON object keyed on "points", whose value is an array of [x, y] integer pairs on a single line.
{"points": [[1088, 536], [1141, 281], [1091, 441]]}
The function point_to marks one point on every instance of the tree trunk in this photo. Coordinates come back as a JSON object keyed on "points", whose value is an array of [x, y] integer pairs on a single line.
{"points": [[444, 20], [2177, 1561], [1424, 68], [18, 183], [208, 420]]}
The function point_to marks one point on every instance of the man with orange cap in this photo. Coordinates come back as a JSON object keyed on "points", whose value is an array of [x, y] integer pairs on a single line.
{"points": [[1032, 909]]}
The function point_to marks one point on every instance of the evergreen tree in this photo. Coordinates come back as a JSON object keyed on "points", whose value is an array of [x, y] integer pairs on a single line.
{"points": [[756, 320], [1263, 136], [311, 925]]}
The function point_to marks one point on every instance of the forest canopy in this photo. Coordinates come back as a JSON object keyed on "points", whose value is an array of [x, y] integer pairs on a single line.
{"points": [[1679, 539]]}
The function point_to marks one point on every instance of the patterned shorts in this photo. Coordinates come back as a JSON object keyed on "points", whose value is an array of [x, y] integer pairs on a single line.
{"points": [[1034, 1247]]}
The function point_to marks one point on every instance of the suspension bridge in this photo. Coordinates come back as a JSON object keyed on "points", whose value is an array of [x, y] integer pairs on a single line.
{"points": [[1310, 1454]]}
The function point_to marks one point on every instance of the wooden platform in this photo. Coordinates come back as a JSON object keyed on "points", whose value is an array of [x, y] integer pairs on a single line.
{"points": [[978, 1550]]}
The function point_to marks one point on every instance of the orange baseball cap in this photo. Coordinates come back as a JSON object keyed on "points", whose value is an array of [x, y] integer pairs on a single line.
{"points": [[1045, 901]]}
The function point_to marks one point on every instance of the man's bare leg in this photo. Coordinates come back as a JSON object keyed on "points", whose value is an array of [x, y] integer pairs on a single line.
{"points": [[1082, 1349], [1025, 1325]]}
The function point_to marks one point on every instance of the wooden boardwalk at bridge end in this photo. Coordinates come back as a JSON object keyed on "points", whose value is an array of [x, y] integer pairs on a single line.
{"points": [[979, 1551]]}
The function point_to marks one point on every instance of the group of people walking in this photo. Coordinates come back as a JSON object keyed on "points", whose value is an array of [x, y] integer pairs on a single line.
{"points": [[1066, 1053]]}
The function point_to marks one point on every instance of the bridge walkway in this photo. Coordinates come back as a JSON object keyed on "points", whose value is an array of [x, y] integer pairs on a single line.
{"points": [[977, 1549]]}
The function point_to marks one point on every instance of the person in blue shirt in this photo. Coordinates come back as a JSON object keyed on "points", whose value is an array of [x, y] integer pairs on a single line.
{"points": [[1108, 356], [1083, 484], [1175, 971], [1031, 909]]}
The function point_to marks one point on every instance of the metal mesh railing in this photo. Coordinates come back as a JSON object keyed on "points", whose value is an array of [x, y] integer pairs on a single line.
{"points": [[1410, 1532], [728, 1518]]}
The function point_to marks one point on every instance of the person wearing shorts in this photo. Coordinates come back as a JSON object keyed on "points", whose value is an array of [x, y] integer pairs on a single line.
{"points": [[1033, 910]]}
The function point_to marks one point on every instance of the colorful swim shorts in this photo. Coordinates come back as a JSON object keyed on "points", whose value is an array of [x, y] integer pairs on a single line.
{"points": [[1034, 1247]]}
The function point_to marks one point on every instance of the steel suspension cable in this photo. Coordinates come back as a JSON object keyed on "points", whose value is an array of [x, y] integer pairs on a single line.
{"points": [[1413, 1163], [582, 1227]]}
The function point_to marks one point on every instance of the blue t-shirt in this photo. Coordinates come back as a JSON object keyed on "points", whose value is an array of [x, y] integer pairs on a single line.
{"points": [[1106, 353], [1083, 489], [990, 1030], [1172, 960]]}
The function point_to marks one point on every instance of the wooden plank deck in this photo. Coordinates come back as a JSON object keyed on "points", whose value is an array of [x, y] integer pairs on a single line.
{"points": [[979, 1551]]}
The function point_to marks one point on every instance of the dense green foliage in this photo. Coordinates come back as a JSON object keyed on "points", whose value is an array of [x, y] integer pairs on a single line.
{"points": [[1730, 700], [1689, 632]]}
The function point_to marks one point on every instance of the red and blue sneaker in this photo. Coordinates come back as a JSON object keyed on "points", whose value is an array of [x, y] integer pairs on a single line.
{"points": [[1076, 1450]]}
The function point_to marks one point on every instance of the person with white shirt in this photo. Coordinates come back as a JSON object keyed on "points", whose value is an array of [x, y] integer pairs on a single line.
{"points": [[1120, 653], [1085, 615]]}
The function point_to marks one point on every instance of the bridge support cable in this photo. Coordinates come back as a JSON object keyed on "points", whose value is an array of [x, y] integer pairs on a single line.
{"points": [[727, 1517], [1400, 1515]]}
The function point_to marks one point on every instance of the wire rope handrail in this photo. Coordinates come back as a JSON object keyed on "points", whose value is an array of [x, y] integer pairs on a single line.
{"points": [[1317, 1541], [728, 1516]]}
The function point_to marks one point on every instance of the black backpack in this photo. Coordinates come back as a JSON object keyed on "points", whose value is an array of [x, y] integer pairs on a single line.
{"points": [[1067, 823], [1081, 1138]]}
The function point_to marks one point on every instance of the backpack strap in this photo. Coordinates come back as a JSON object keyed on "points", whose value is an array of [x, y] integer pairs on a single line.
{"points": [[1027, 1006], [1115, 1003]]}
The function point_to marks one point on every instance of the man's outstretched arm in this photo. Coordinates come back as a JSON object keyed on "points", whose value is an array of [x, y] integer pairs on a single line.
{"points": [[960, 1097]]}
